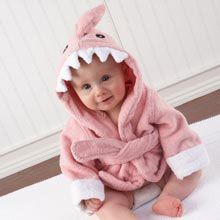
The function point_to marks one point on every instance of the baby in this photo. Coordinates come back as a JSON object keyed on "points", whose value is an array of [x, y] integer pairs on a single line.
{"points": [[121, 136]]}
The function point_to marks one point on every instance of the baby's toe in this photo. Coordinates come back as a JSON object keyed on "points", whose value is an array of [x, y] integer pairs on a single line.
{"points": [[180, 211]]}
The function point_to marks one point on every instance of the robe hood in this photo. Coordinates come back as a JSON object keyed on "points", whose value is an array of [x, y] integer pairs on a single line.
{"points": [[150, 133], [86, 42]]}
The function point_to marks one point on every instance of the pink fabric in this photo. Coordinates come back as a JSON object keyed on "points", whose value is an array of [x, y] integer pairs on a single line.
{"points": [[149, 130]]}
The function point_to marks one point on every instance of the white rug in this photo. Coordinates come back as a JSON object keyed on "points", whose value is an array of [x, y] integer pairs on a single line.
{"points": [[50, 199]]}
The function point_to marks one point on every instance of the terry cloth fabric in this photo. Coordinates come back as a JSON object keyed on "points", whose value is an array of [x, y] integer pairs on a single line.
{"points": [[51, 199], [150, 134]]}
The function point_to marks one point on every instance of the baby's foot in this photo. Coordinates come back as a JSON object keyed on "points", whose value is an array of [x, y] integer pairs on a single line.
{"points": [[169, 206]]}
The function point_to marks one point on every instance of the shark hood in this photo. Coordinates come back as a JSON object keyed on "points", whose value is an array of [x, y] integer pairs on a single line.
{"points": [[150, 134], [86, 42]]}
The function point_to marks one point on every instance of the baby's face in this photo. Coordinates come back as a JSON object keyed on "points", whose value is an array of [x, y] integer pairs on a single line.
{"points": [[100, 86]]}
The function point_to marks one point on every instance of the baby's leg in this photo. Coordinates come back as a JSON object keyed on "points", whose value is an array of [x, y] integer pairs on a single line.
{"points": [[175, 190], [117, 205]]}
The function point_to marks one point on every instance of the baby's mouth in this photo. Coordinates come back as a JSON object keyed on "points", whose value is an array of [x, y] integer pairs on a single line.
{"points": [[106, 99]]}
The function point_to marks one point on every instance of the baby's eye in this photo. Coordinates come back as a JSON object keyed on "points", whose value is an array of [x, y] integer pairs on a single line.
{"points": [[86, 86], [100, 36], [105, 77]]}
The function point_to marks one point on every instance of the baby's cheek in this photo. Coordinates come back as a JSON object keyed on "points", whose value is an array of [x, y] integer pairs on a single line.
{"points": [[119, 91], [87, 101]]}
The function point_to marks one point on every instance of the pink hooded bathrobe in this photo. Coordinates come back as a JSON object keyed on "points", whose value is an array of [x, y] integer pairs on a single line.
{"points": [[150, 135]]}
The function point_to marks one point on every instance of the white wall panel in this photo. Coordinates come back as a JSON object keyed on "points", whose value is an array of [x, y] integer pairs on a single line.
{"points": [[33, 34], [173, 39], [211, 24]]}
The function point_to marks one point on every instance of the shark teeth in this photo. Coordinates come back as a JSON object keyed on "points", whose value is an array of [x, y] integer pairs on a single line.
{"points": [[102, 53], [61, 86], [65, 74], [86, 55], [72, 61], [119, 56]]}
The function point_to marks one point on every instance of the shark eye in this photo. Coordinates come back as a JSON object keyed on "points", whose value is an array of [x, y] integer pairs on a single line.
{"points": [[65, 48], [100, 36]]}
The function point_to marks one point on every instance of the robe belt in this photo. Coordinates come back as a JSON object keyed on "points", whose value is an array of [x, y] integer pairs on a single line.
{"points": [[114, 151]]}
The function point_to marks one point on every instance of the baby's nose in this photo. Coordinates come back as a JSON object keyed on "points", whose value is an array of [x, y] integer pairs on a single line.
{"points": [[100, 91]]}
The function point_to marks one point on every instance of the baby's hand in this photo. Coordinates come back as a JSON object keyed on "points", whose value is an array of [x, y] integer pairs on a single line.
{"points": [[93, 204]]}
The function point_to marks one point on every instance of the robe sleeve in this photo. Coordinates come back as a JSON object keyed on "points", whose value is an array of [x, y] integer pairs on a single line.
{"points": [[85, 183], [183, 149]]}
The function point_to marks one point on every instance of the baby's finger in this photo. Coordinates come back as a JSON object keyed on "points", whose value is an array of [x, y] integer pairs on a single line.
{"points": [[93, 205], [96, 201], [94, 209]]}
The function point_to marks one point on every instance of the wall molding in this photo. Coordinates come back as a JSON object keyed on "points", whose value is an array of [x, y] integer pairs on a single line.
{"points": [[193, 87], [29, 155], [48, 147]]}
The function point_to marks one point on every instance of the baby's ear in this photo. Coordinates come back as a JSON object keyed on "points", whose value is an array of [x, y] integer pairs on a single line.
{"points": [[89, 20]]}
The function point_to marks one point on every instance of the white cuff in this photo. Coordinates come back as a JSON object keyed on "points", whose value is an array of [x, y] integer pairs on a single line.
{"points": [[86, 189], [189, 161]]}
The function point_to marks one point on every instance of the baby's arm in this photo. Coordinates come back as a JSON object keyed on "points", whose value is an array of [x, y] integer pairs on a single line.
{"points": [[85, 183], [184, 153], [93, 204], [182, 147]]}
